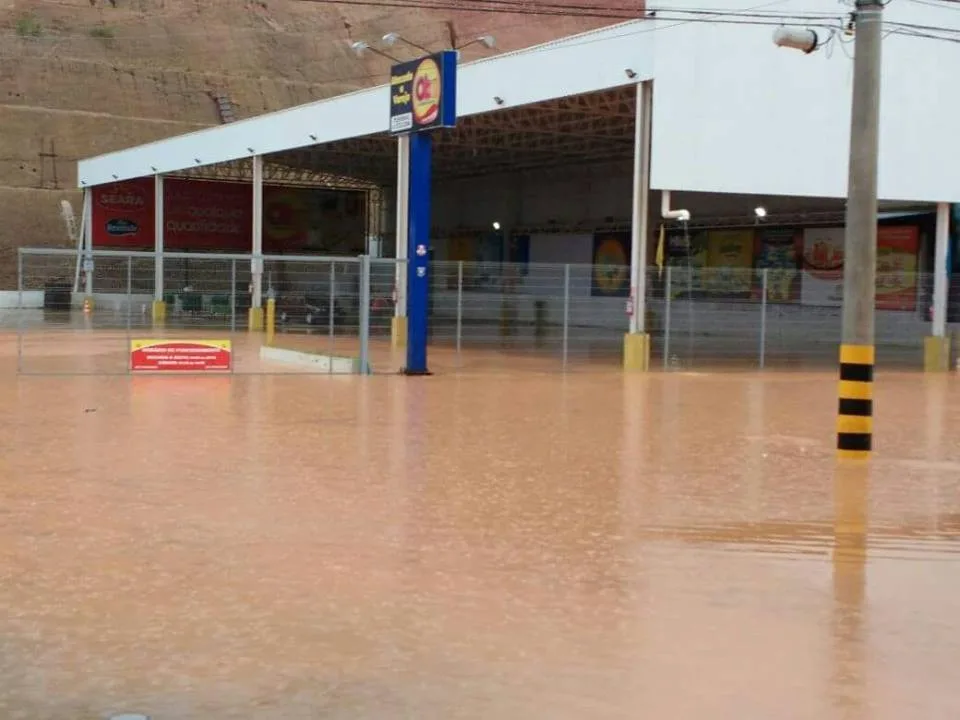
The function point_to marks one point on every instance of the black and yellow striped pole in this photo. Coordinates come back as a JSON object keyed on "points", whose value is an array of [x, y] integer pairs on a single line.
{"points": [[855, 412], [855, 420]]}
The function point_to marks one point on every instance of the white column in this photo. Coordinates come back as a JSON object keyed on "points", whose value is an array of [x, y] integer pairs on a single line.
{"points": [[158, 227], [641, 207], [88, 242], [402, 215], [256, 263], [940, 252]]}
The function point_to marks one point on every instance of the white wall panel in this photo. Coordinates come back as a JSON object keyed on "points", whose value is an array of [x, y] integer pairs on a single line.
{"points": [[735, 113]]}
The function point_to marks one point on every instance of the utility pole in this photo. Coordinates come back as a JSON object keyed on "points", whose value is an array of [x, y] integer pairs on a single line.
{"points": [[855, 412]]}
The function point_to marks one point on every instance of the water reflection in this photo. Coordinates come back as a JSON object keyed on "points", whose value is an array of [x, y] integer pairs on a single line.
{"points": [[507, 546], [851, 492]]}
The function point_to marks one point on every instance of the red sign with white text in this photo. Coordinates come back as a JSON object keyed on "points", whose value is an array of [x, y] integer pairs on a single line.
{"points": [[123, 215], [204, 215], [180, 355]]}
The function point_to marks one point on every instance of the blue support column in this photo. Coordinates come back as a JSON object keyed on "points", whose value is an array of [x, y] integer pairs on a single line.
{"points": [[418, 253]]}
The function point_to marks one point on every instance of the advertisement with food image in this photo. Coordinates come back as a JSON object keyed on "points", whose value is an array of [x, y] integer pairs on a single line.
{"points": [[822, 267], [778, 257], [729, 271], [897, 248]]}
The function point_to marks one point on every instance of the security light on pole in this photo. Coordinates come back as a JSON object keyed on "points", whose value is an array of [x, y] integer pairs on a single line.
{"points": [[488, 41], [391, 39], [804, 40], [360, 48], [857, 349]]}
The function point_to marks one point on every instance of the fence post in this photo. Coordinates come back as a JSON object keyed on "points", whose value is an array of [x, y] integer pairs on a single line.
{"points": [[667, 304], [20, 279], [233, 295], [364, 314], [330, 314], [20, 310], [566, 311], [459, 305], [691, 313], [129, 292], [763, 319]]}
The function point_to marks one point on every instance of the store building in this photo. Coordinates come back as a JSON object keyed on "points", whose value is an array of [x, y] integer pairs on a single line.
{"points": [[578, 151]]}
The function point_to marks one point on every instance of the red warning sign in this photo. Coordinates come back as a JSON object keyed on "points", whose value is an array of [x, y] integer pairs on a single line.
{"points": [[180, 356]]}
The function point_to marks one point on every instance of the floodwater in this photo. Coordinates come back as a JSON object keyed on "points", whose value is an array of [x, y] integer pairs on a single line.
{"points": [[488, 545]]}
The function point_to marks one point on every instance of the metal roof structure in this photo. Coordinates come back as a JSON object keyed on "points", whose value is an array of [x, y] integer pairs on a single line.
{"points": [[563, 102], [563, 132]]}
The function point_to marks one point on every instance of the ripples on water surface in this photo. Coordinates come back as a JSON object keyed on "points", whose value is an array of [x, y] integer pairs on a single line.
{"points": [[486, 546]]}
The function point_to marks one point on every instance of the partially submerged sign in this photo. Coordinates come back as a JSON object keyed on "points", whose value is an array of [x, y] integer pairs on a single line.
{"points": [[181, 355], [423, 93]]}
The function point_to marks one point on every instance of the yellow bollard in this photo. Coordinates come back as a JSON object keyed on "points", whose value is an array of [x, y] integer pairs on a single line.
{"points": [[159, 312], [271, 320], [255, 319]]}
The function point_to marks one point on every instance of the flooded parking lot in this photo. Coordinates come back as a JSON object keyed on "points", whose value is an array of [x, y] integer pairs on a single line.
{"points": [[486, 545]]}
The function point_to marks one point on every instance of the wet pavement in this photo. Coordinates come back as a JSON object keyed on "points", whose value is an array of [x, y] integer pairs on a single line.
{"points": [[489, 545]]}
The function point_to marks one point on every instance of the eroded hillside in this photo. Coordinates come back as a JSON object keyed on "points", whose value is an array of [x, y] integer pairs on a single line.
{"points": [[82, 77]]}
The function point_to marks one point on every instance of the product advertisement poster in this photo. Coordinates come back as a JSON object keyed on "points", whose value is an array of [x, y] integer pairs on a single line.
{"points": [[778, 254], [822, 268]]}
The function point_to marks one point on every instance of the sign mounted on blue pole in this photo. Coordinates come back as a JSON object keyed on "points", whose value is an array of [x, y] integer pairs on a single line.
{"points": [[423, 97], [423, 93]]}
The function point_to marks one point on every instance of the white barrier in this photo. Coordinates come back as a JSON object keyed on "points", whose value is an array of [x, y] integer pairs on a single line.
{"points": [[319, 363]]}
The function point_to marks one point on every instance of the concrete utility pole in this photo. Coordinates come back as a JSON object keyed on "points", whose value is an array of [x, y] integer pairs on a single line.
{"points": [[855, 421]]}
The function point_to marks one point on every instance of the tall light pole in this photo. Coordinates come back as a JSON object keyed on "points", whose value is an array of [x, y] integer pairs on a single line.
{"points": [[855, 407], [855, 411]]}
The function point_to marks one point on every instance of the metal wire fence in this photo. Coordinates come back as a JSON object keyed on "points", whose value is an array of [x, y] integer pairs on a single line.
{"points": [[496, 315], [324, 310]]}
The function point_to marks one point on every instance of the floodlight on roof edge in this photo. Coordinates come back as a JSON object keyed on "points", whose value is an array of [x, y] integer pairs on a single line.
{"points": [[391, 38], [488, 41], [360, 47]]}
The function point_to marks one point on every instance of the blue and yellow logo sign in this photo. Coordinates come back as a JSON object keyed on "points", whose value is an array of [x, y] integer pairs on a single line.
{"points": [[423, 93], [611, 265]]}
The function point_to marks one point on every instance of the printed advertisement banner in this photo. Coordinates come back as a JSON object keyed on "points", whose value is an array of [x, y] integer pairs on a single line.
{"points": [[518, 253], [123, 215], [779, 252], [730, 263], [822, 259], [897, 248], [687, 254], [180, 355], [205, 215], [461, 248], [611, 265]]}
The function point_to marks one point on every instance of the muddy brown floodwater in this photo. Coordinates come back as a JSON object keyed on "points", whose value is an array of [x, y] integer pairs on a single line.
{"points": [[492, 545]]}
